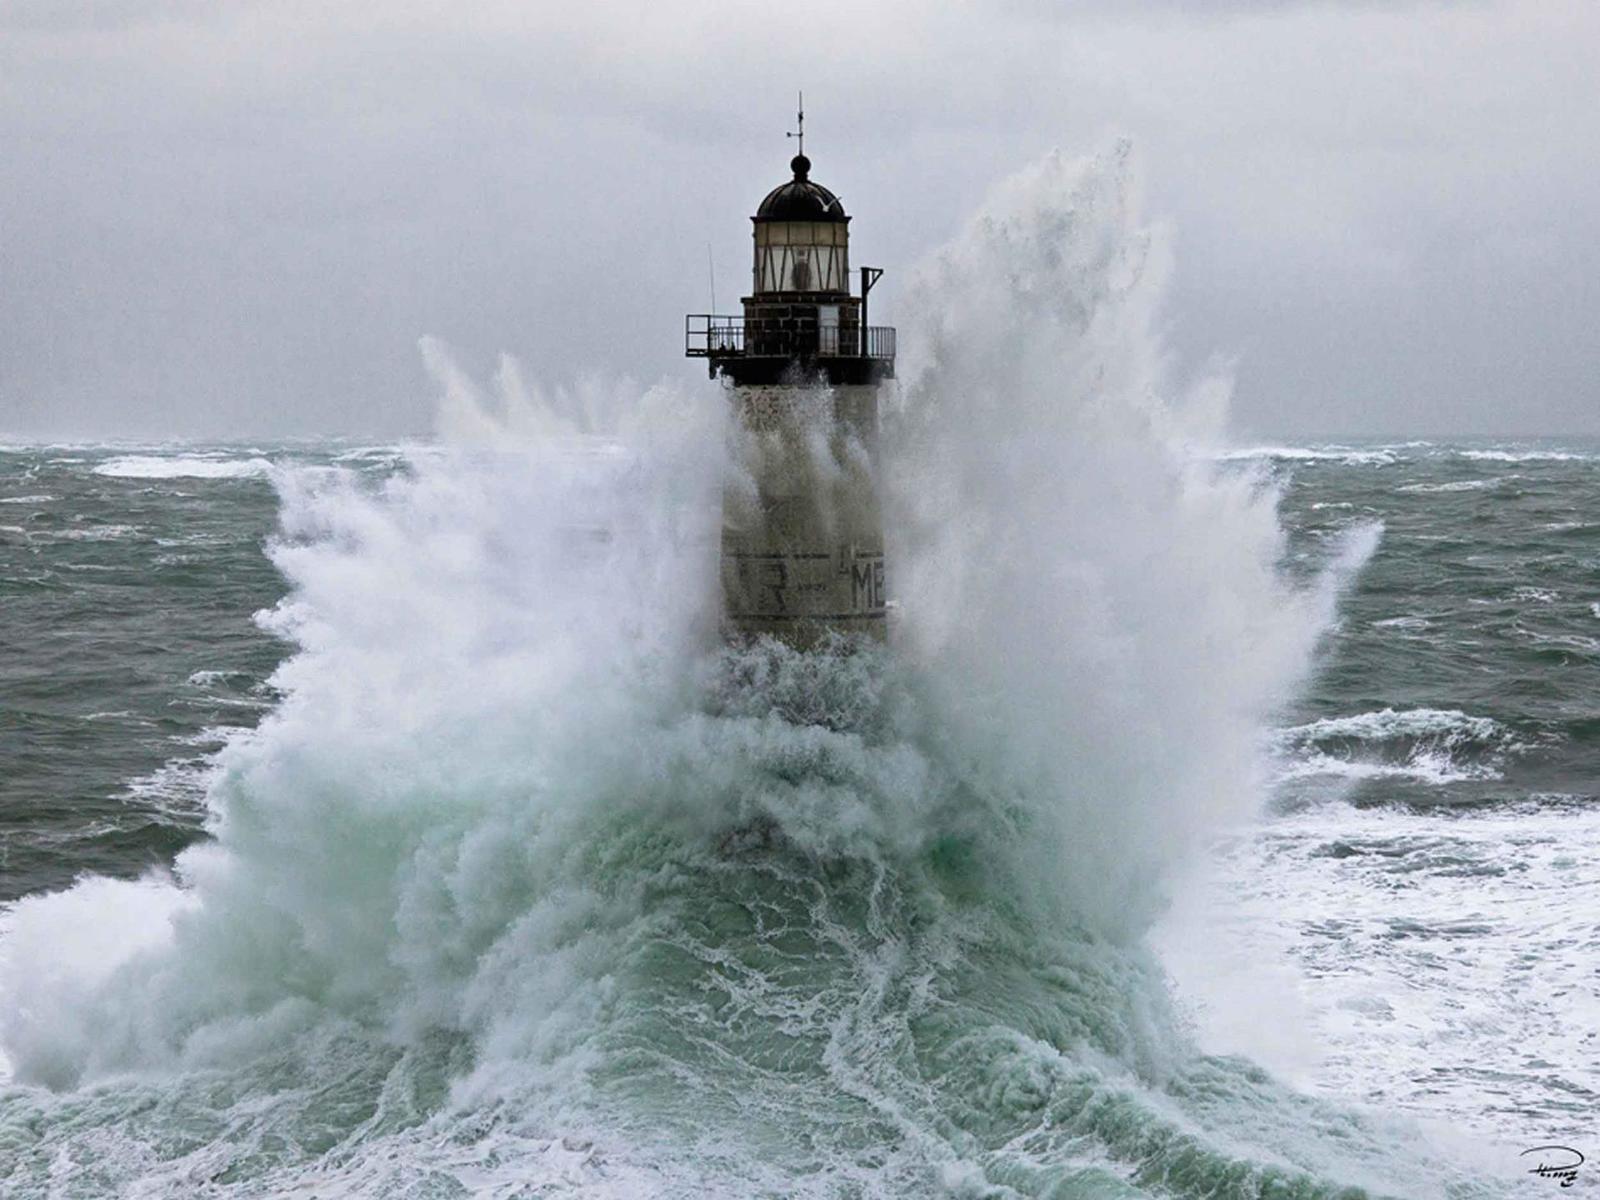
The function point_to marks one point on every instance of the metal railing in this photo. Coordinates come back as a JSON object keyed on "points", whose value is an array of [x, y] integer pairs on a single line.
{"points": [[710, 336], [880, 341]]}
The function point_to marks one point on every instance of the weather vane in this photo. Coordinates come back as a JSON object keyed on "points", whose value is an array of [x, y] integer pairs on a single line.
{"points": [[800, 120]]}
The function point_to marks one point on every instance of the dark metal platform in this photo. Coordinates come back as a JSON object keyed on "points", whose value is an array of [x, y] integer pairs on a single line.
{"points": [[789, 348]]}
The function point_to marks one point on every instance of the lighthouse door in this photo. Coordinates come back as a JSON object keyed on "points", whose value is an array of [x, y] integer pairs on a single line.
{"points": [[827, 329]]}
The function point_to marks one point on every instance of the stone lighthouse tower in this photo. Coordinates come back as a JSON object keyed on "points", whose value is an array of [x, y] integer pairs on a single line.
{"points": [[802, 534]]}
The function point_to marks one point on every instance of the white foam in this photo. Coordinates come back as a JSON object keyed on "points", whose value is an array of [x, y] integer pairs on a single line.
{"points": [[178, 787], [1525, 456], [1350, 455], [93, 533], [1430, 745], [40, 499], [58, 948], [1389, 723], [1459, 485], [380, 455], [1417, 954], [1425, 766], [145, 466], [207, 678]]}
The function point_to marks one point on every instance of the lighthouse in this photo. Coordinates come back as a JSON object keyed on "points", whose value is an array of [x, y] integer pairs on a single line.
{"points": [[802, 530]]}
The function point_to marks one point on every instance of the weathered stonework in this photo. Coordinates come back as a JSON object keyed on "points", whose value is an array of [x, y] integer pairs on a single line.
{"points": [[802, 534]]}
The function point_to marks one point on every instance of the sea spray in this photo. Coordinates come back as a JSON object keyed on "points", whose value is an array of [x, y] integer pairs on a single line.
{"points": [[526, 887], [1100, 608]]}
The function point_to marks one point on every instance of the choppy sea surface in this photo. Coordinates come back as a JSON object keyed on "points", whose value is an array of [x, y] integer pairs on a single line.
{"points": [[1409, 927], [1422, 892]]}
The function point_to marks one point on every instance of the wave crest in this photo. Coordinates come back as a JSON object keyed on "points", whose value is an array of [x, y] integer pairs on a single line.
{"points": [[1429, 745], [182, 466]]}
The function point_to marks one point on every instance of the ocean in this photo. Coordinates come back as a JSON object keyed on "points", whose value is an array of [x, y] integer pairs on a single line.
{"points": [[388, 820]]}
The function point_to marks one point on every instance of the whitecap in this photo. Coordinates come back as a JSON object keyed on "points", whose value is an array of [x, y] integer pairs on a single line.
{"points": [[372, 454], [1427, 767], [145, 466], [1391, 723], [1523, 456], [96, 533], [1459, 485], [176, 788], [1350, 455], [1431, 745], [27, 500]]}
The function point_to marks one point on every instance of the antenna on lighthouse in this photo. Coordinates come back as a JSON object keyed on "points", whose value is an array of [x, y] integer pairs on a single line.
{"points": [[800, 122]]}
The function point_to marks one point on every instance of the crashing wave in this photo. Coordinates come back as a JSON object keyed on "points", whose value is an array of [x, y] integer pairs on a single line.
{"points": [[526, 886]]}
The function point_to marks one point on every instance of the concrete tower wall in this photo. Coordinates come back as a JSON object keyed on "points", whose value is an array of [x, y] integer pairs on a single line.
{"points": [[802, 533]]}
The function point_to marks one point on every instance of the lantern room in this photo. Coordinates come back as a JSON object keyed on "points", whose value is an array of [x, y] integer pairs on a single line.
{"points": [[800, 321], [802, 237]]}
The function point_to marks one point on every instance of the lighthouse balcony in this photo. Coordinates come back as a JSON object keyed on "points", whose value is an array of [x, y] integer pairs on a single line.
{"points": [[777, 347]]}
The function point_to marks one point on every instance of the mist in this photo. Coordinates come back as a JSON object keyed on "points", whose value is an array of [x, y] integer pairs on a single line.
{"points": [[238, 222]]}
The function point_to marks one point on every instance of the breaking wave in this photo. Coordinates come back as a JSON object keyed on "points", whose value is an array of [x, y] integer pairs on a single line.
{"points": [[1525, 456], [182, 466], [526, 886], [1430, 745], [1349, 455]]}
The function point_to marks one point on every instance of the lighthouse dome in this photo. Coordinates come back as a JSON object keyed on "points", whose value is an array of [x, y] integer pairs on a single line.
{"points": [[800, 199]]}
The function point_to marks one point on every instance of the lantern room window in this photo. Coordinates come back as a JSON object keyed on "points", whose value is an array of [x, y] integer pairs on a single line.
{"points": [[802, 256]]}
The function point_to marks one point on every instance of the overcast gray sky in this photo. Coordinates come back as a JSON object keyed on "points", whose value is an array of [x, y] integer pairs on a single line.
{"points": [[236, 219]]}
